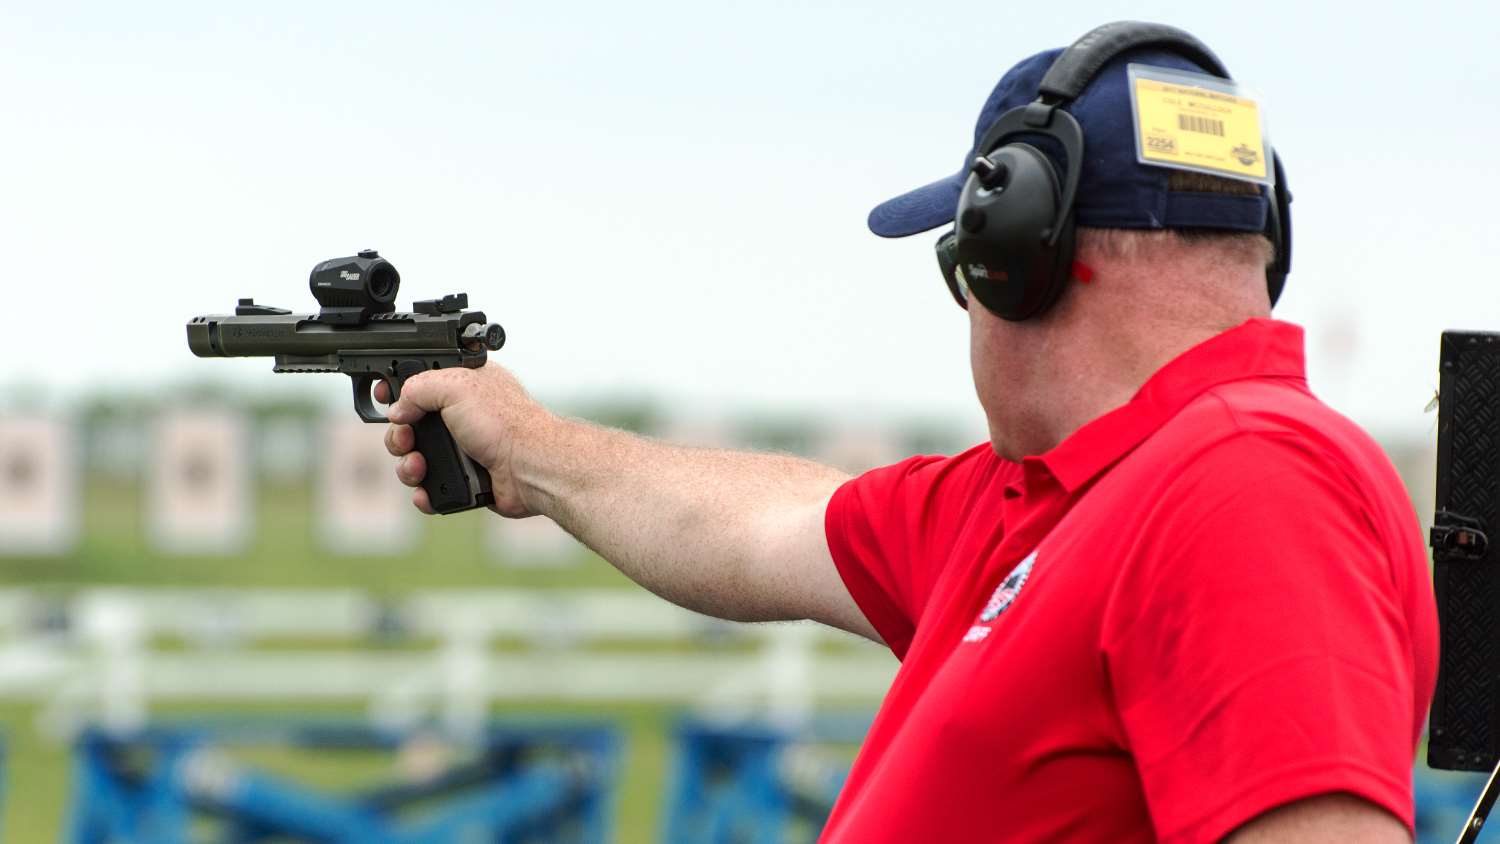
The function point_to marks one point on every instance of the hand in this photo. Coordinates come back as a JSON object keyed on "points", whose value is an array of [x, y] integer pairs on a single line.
{"points": [[485, 409]]}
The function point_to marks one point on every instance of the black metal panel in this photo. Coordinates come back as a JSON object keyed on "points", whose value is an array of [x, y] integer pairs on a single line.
{"points": [[1465, 720]]}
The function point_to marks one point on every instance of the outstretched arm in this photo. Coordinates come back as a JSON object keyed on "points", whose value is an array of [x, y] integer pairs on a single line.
{"points": [[732, 534]]}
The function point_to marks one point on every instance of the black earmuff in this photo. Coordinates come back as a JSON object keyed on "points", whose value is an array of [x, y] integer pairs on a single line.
{"points": [[1013, 235], [1014, 222]]}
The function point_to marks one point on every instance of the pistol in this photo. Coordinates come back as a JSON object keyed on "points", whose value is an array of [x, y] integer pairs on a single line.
{"points": [[359, 332]]}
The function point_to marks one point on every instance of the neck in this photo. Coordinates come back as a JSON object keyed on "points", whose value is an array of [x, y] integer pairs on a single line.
{"points": [[1095, 350], [1080, 382]]}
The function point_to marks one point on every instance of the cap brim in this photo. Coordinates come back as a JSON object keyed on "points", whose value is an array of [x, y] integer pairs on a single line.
{"points": [[919, 210]]}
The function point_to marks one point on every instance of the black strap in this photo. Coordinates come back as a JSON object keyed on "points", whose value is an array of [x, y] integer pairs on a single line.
{"points": [[1078, 64]]}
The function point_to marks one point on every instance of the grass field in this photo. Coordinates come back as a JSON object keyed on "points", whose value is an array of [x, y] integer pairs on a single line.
{"points": [[284, 552]]}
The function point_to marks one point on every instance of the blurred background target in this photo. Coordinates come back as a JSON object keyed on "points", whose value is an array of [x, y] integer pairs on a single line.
{"points": [[39, 505], [361, 509], [198, 482]]}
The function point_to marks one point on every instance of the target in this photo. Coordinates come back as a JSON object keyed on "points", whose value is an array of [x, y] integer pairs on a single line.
{"points": [[38, 486], [362, 508], [198, 483]]}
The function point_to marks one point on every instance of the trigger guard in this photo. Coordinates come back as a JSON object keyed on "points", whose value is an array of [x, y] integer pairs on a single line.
{"points": [[364, 404]]}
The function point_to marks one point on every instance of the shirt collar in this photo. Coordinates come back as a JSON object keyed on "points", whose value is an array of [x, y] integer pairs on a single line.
{"points": [[1258, 348]]}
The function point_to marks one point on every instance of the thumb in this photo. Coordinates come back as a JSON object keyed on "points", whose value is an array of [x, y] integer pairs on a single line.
{"points": [[424, 393]]}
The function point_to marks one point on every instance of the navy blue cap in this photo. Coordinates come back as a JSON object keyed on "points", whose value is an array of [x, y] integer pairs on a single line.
{"points": [[1114, 190]]}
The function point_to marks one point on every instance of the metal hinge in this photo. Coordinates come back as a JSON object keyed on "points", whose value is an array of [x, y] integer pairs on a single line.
{"points": [[1456, 537]]}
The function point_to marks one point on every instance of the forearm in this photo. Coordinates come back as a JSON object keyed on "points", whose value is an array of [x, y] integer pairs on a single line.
{"points": [[700, 527], [731, 534]]}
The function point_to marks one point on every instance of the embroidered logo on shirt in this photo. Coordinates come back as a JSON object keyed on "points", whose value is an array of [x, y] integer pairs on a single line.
{"points": [[976, 634], [1008, 589]]}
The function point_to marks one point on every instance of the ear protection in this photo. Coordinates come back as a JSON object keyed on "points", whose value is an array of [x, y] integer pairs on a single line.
{"points": [[1013, 237]]}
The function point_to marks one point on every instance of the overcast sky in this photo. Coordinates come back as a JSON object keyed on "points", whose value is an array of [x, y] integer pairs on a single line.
{"points": [[669, 198]]}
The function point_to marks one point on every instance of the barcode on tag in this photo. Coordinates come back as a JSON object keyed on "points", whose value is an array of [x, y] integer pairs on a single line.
{"points": [[1201, 125]]}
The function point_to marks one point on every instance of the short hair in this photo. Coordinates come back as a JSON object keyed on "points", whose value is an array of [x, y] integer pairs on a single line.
{"points": [[1232, 246]]}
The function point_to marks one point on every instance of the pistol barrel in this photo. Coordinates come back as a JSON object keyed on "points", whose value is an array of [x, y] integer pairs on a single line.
{"points": [[270, 335]]}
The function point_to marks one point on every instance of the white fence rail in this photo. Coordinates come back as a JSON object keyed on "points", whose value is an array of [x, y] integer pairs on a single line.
{"points": [[108, 654]]}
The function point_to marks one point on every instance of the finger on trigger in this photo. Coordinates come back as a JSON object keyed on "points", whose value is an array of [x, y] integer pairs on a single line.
{"points": [[382, 392]]}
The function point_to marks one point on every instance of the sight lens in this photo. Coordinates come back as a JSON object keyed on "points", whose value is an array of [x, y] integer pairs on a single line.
{"points": [[383, 283]]}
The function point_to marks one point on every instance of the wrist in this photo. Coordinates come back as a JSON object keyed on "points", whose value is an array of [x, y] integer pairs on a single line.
{"points": [[536, 459]]}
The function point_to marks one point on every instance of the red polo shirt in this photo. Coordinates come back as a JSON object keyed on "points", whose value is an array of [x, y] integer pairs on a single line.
{"points": [[1201, 605]]}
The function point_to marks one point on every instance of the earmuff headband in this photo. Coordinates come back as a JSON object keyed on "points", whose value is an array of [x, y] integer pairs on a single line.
{"points": [[1078, 64]]}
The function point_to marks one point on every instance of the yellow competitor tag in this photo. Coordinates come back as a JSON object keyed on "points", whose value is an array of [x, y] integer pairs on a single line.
{"points": [[1197, 122]]}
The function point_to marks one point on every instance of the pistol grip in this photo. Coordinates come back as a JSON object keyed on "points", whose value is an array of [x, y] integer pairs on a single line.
{"points": [[454, 481]]}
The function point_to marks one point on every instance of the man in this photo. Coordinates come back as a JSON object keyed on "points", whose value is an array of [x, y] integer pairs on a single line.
{"points": [[1173, 598]]}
